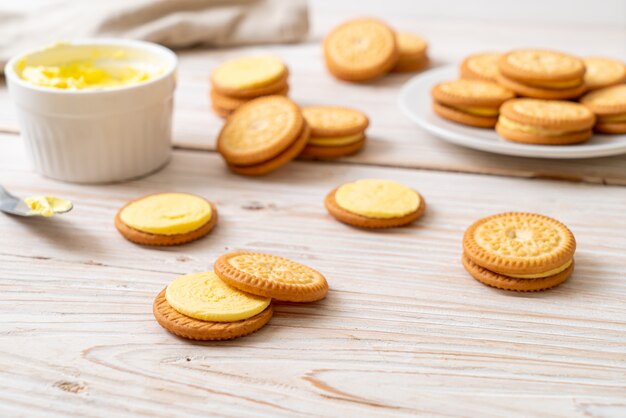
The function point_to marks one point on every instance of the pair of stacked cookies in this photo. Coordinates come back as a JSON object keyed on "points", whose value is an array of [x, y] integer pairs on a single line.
{"points": [[240, 80], [375, 203], [263, 135], [519, 251], [236, 298], [166, 219], [609, 105], [365, 49], [335, 131]]}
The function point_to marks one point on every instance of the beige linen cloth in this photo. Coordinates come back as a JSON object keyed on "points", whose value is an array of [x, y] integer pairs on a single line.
{"points": [[173, 23]]}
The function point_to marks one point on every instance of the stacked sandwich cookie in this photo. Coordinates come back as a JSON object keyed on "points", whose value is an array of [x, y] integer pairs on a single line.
{"points": [[547, 122], [374, 203], [603, 72], [542, 74], [482, 66], [470, 102], [335, 131], [235, 299], [609, 105], [240, 80], [412, 51], [519, 251], [263, 135]]}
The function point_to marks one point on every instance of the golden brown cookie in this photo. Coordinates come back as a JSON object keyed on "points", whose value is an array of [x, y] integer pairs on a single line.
{"points": [[275, 163], [549, 122], [360, 50], [271, 276], [603, 72], [482, 66], [503, 282], [260, 130], [520, 244], [158, 239], [317, 152], [609, 105], [411, 52], [542, 74], [376, 204], [470, 102], [334, 121], [195, 329]]}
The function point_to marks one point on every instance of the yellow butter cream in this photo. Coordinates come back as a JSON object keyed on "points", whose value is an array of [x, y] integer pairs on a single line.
{"points": [[47, 205], [377, 198], [167, 213], [479, 111], [206, 297], [516, 126], [248, 72], [336, 141], [542, 275], [558, 84]]}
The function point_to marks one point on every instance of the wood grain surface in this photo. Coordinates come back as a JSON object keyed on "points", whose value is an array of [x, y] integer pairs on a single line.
{"points": [[404, 331]]}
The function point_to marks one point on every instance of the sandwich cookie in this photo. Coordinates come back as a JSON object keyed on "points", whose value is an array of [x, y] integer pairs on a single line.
{"points": [[542, 74], [335, 131], [519, 251], [483, 66], [372, 203], [609, 105], [201, 306], [262, 135], [240, 80], [271, 276], [411, 53], [547, 122], [360, 50], [166, 219], [603, 72], [470, 102]]}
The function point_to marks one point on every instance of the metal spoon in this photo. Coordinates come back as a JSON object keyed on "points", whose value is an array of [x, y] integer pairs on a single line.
{"points": [[16, 206]]}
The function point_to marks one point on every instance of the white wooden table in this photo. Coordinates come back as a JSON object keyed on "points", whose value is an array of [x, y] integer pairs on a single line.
{"points": [[404, 331]]}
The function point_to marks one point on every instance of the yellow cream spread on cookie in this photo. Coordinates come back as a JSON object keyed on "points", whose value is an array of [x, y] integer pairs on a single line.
{"points": [[104, 69], [529, 129], [47, 205], [167, 213], [557, 84], [206, 297], [248, 72], [336, 141], [478, 111], [377, 198], [542, 275]]}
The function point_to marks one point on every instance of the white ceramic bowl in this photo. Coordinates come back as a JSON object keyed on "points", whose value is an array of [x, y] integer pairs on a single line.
{"points": [[96, 136]]}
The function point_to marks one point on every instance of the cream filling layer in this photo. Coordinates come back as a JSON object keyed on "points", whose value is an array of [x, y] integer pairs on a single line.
{"points": [[541, 275], [336, 140], [529, 129], [612, 118], [557, 84], [478, 111]]}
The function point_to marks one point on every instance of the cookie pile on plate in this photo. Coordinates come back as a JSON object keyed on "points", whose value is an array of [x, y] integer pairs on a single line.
{"points": [[235, 299], [240, 80], [546, 83], [365, 49]]}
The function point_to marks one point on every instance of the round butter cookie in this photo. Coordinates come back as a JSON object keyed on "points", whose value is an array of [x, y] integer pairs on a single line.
{"points": [[549, 122], [271, 276], [373, 203], [334, 121], [609, 105], [260, 130], [195, 329], [166, 219], [411, 52], [482, 66], [603, 72], [360, 50], [249, 75], [519, 243]]}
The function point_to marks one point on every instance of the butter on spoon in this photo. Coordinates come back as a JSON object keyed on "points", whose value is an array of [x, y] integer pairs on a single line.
{"points": [[46, 206]]}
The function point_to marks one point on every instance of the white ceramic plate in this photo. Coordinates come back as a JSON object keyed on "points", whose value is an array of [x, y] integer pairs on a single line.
{"points": [[415, 102]]}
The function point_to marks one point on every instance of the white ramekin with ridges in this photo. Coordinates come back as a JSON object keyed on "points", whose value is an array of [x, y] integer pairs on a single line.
{"points": [[96, 135]]}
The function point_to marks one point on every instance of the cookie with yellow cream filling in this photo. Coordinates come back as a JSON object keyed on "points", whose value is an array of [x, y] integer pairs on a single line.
{"points": [[482, 66], [271, 276], [547, 122], [609, 105], [412, 52], [519, 251], [166, 219], [247, 77], [373, 203], [542, 74], [360, 50], [603, 72], [325, 152], [201, 306], [469, 102]]}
